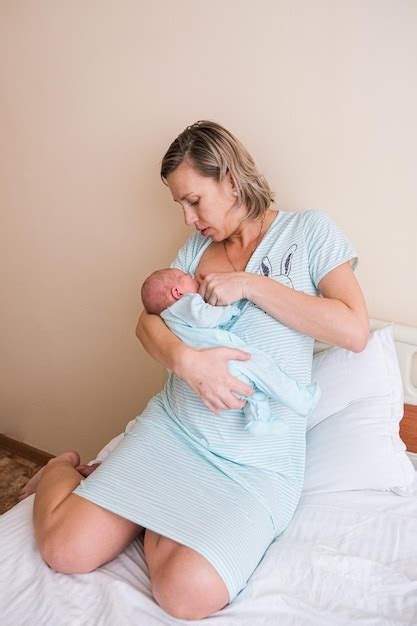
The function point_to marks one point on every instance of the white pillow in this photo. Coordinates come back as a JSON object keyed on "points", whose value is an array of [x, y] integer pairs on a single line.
{"points": [[353, 438], [347, 376]]}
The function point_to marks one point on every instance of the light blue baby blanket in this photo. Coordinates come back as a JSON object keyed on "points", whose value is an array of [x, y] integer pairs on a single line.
{"points": [[201, 325]]}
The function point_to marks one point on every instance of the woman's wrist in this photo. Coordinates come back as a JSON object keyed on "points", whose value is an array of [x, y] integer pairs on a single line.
{"points": [[181, 359], [251, 284]]}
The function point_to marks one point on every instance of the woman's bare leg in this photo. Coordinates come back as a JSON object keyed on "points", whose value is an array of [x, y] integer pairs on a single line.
{"points": [[56, 481], [183, 582], [32, 484], [73, 534], [77, 536]]}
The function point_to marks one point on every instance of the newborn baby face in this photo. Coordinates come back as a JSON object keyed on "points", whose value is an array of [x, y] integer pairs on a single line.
{"points": [[187, 284]]}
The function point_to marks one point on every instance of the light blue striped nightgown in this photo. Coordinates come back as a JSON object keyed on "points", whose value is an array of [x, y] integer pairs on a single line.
{"points": [[202, 325], [201, 479]]}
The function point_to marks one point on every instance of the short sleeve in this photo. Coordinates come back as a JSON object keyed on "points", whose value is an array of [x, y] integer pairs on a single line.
{"points": [[180, 261], [187, 253], [327, 245]]}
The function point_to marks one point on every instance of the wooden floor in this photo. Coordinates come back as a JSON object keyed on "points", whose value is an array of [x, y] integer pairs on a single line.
{"points": [[15, 471]]}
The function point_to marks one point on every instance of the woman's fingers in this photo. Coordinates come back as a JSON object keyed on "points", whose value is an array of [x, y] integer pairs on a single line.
{"points": [[238, 386], [223, 287], [226, 402], [234, 403], [211, 407], [215, 404], [209, 376], [237, 355]]}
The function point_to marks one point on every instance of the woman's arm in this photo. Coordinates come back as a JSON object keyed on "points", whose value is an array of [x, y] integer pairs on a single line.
{"points": [[205, 371], [340, 317], [159, 342]]}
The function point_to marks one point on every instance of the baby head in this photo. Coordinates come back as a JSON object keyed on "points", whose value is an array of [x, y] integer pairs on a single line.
{"points": [[163, 287]]}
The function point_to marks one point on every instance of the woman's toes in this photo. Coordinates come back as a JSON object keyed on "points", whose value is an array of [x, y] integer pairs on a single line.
{"points": [[31, 485], [86, 470], [23, 494]]}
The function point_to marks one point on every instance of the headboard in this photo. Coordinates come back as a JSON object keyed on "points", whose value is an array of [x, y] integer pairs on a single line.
{"points": [[406, 347]]}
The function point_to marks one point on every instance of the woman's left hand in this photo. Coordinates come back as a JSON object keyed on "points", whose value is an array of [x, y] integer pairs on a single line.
{"points": [[223, 288]]}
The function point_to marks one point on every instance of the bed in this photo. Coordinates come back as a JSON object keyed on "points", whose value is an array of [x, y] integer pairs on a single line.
{"points": [[349, 555]]}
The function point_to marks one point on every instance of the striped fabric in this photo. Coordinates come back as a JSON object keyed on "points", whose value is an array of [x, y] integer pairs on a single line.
{"points": [[201, 479]]}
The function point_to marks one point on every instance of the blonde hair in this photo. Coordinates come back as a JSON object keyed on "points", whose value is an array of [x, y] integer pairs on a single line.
{"points": [[213, 151]]}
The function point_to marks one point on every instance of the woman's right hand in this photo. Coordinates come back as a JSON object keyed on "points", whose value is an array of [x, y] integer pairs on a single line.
{"points": [[207, 373]]}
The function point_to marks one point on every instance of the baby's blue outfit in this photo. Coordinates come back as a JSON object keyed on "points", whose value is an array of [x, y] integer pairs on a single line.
{"points": [[202, 325], [202, 479]]}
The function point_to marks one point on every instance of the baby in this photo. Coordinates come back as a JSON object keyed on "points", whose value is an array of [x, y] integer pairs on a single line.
{"points": [[164, 287], [173, 295]]}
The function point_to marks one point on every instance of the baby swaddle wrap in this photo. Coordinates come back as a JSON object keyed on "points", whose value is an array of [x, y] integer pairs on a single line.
{"points": [[202, 325]]}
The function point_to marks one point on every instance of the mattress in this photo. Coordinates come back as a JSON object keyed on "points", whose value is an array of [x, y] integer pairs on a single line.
{"points": [[346, 558]]}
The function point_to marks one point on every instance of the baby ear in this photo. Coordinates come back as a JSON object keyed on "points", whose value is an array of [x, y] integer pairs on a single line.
{"points": [[176, 293]]}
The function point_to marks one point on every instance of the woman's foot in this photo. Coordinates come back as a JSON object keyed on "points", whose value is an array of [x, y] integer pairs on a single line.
{"points": [[31, 486], [86, 470]]}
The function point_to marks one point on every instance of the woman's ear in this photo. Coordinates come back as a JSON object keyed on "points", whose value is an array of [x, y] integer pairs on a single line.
{"points": [[231, 182]]}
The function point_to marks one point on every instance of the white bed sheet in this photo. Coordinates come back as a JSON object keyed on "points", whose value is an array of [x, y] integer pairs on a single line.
{"points": [[346, 558]]}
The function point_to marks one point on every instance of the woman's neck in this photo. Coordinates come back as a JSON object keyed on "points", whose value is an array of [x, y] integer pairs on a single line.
{"points": [[248, 232]]}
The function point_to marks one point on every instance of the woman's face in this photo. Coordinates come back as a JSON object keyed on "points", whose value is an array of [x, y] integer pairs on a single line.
{"points": [[206, 203]]}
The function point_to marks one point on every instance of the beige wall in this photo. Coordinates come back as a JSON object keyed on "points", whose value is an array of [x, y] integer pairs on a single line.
{"points": [[323, 96]]}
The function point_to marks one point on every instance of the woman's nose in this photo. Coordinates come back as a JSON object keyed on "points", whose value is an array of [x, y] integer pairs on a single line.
{"points": [[190, 217]]}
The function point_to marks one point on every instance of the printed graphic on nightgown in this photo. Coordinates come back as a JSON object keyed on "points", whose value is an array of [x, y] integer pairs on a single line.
{"points": [[266, 269], [284, 275]]}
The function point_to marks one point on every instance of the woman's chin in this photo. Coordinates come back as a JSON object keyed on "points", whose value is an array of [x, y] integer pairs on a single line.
{"points": [[211, 234]]}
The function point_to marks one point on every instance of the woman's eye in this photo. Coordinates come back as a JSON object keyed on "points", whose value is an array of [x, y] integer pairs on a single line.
{"points": [[194, 203]]}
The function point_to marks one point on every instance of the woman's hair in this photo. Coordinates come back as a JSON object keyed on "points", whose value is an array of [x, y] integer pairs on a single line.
{"points": [[213, 151]]}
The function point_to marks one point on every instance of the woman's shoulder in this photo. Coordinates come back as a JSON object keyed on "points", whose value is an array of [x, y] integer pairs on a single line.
{"points": [[307, 215], [310, 216], [301, 222], [189, 251], [308, 221], [315, 227]]}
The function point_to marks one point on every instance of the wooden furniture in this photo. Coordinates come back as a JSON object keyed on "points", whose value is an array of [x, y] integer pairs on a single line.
{"points": [[408, 427]]}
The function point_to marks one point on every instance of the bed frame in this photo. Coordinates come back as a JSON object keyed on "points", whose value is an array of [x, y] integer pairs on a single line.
{"points": [[406, 347]]}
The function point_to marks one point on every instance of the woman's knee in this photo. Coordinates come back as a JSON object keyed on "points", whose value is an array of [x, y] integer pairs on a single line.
{"points": [[187, 586], [63, 555], [83, 536]]}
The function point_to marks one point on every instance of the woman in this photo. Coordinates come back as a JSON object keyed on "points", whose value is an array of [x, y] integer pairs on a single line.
{"points": [[210, 498]]}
